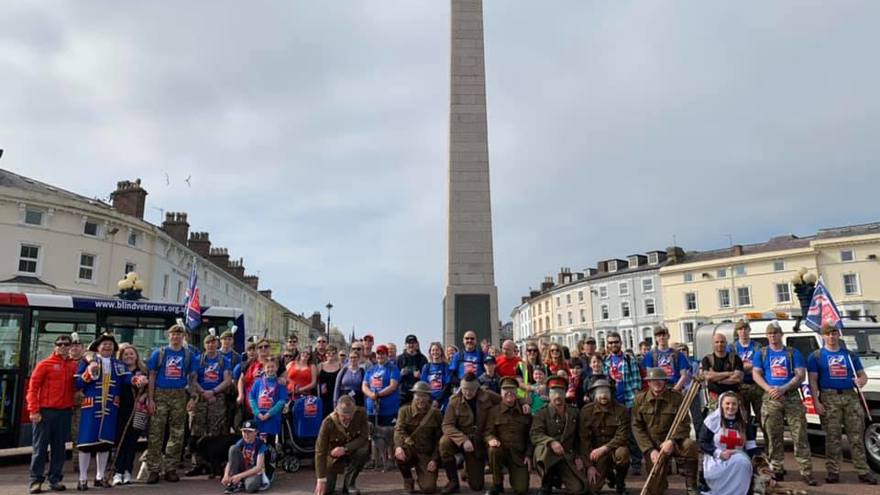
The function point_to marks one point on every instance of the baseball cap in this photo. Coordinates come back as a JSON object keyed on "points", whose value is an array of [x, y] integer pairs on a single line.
{"points": [[411, 338], [382, 349], [248, 425], [489, 360]]}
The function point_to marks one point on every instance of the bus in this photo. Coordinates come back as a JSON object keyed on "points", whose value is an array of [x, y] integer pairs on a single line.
{"points": [[29, 324]]}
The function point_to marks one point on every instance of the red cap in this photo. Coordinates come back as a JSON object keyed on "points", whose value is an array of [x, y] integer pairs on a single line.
{"points": [[382, 349], [369, 336]]}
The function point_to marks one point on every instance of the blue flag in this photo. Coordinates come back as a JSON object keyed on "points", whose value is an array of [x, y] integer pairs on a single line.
{"points": [[193, 308], [822, 309]]}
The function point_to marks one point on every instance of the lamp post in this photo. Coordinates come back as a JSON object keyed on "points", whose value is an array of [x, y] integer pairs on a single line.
{"points": [[329, 307], [804, 284]]}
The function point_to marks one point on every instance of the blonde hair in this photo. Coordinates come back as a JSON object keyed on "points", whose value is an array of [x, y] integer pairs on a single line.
{"points": [[138, 362]]}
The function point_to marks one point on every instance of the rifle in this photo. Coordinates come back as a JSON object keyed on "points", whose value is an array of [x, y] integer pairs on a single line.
{"points": [[652, 483]]}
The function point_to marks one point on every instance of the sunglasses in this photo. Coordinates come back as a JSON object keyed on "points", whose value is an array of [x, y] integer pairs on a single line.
{"points": [[62, 344], [264, 346], [293, 342], [613, 342], [469, 338], [531, 350]]}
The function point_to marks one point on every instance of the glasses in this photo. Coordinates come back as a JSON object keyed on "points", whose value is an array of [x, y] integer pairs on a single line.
{"points": [[530, 351], [293, 342], [469, 338], [357, 349], [62, 344], [264, 346], [613, 342]]}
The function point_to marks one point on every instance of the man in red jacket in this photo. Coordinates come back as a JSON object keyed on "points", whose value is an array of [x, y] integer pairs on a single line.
{"points": [[50, 404]]}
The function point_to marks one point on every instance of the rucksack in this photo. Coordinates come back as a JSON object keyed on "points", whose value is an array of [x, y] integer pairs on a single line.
{"points": [[187, 358], [731, 360]]}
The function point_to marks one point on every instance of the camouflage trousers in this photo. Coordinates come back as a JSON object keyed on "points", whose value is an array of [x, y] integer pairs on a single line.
{"points": [[752, 396], [207, 419], [171, 414], [774, 415], [843, 411]]}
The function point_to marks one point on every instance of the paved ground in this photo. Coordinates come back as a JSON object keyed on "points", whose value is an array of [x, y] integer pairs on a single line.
{"points": [[13, 480]]}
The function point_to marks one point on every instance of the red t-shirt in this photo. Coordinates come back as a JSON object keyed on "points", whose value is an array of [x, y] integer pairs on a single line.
{"points": [[505, 366]]}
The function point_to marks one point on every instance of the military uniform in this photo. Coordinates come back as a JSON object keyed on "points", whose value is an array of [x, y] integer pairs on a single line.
{"points": [[461, 424], [208, 419], [547, 427], [652, 418], [355, 439], [605, 425], [418, 434], [510, 426]]}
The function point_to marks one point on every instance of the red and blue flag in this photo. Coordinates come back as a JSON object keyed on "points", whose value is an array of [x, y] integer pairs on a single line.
{"points": [[193, 308], [822, 309]]}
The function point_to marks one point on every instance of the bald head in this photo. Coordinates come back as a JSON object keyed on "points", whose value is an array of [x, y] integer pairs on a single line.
{"points": [[508, 348]]}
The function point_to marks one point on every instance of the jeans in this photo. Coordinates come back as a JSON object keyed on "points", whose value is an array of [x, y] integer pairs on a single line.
{"points": [[50, 435]]}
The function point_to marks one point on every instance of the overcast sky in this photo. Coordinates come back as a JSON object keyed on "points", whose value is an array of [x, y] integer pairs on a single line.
{"points": [[316, 132]]}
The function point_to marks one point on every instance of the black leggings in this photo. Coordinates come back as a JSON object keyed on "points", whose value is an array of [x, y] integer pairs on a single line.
{"points": [[127, 452]]}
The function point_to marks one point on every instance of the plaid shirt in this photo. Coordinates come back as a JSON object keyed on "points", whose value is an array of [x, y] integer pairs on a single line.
{"points": [[632, 379]]}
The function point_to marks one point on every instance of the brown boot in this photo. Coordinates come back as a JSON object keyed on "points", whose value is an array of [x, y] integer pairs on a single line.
{"points": [[452, 475], [409, 486], [867, 478], [689, 470]]}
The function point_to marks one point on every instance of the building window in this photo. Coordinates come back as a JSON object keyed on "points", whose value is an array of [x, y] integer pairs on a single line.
{"points": [[559, 319], [540, 325], [650, 308], [558, 302], [180, 291], [33, 217], [603, 292], [130, 267], [28, 259], [570, 319], [568, 299], [547, 306], [847, 255], [688, 277], [653, 259], [165, 286], [583, 316], [547, 322], [723, 298], [779, 266], [132, 239], [851, 284], [690, 301], [721, 273], [90, 228], [86, 266], [853, 314], [581, 296], [623, 289], [739, 270], [647, 285], [604, 312], [743, 296], [783, 293], [612, 266], [624, 309], [687, 331]]}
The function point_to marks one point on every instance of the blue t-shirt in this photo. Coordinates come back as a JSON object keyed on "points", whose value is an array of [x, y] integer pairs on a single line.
{"points": [[172, 375], [437, 376], [268, 397], [748, 355], [211, 374], [776, 369], [465, 362], [378, 377], [232, 359], [236, 372], [834, 368], [250, 452], [665, 361], [307, 414]]}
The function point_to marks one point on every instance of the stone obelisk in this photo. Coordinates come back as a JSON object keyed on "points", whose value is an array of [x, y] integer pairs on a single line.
{"points": [[471, 299]]}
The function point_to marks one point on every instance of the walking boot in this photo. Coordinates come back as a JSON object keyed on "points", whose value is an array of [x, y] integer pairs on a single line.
{"points": [[689, 470], [620, 478], [153, 478], [495, 490], [867, 478], [452, 474], [409, 485], [171, 476]]}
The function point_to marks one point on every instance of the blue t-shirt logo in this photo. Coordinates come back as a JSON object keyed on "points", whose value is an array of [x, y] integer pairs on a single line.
{"points": [[173, 367], [837, 366]]}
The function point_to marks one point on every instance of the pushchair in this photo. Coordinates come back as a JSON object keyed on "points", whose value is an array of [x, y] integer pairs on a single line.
{"points": [[302, 421]]}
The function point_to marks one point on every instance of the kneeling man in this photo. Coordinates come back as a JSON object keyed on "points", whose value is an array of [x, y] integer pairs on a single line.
{"points": [[342, 447]]}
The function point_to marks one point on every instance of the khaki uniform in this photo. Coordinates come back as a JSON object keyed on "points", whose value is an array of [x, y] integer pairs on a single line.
{"points": [[547, 427], [170, 413], [418, 434], [207, 419], [511, 427], [651, 421], [607, 426], [774, 414], [843, 410], [459, 425], [355, 439]]}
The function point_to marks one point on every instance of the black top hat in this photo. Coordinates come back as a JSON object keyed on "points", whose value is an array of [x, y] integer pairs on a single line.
{"points": [[93, 347]]}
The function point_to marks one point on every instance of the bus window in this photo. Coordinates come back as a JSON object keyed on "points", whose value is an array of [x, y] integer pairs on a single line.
{"points": [[47, 325], [10, 339], [805, 344], [144, 333]]}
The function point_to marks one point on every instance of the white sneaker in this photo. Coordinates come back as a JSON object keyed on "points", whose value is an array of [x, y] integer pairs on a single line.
{"points": [[126, 478], [117, 479]]}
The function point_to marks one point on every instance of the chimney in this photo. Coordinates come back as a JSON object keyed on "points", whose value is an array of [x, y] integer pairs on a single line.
{"points": [[219, 256], [534, 293], [200, 243], [129, 198], [266, 293], [253, 281], [737, 249], [236, 268], [524, 299], [674, 254], [547, 284], [316, 321], [176, 226]]}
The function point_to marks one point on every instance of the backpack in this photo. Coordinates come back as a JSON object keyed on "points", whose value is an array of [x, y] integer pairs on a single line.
{"points": [[817, 355], [788, 355], [187, 358], [731, 360]]}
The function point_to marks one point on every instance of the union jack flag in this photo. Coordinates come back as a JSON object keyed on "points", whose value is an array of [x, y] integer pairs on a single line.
{"points": [[193, 308], [822, 309]]}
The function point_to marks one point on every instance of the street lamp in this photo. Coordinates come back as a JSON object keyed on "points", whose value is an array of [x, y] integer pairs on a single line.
{"points": [[329, 306]]}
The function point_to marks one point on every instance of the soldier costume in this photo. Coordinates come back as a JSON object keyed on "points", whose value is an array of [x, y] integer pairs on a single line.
{"points": [[509, 426], [833, 370], [652, 419], [752, 395], [345, 428], [549, 427], [777, 370], [417, 432], [207, 416], [463, 423], [605, 426], [77, 408]]}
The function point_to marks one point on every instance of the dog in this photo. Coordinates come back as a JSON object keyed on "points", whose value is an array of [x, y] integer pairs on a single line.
{"points": [[762, 479], [215, 451], [383, 440]]}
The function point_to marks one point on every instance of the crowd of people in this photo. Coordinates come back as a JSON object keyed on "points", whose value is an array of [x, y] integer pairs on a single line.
{"points": [[579, 419]]}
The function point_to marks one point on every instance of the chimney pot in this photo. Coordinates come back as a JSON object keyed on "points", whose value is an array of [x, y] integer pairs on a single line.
{"points": [[129, 198]]}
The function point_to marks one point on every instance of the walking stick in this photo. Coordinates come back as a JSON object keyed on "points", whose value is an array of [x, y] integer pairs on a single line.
{"points": [[111, 466], [652, 483]]}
